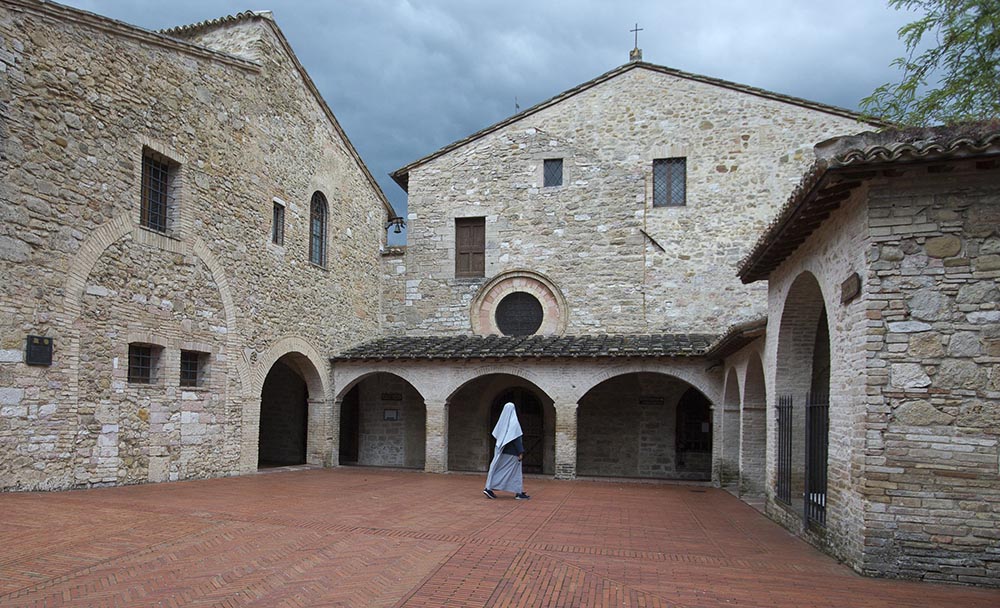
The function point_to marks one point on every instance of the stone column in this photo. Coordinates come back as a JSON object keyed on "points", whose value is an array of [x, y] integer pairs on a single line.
{"points": [[436, 437], [565, 440]]}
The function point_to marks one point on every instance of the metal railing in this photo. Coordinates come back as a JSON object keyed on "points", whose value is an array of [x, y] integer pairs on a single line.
{"points": [[817, 448], [784, 473]]}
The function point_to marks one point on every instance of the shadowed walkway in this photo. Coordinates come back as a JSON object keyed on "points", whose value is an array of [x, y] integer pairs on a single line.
{"points": [[367, 537]]}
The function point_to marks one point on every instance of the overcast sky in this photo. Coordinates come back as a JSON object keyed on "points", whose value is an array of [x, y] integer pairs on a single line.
{"points": [[405, 78]]}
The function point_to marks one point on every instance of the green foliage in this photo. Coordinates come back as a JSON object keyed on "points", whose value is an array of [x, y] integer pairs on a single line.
{"points": [[956, 80]]}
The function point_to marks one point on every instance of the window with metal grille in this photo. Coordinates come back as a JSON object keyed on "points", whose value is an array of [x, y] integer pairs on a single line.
{"points": [[669, 182], [278, 224], [157, 182], [519, 314], [552, 169], [142, 359], [470, 246], [317, 229], [193, 368]]}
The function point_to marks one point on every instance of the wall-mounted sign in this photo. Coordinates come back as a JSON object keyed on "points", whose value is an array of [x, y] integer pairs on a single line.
{"points": [[392, 396], [390, 414], [38, 350], [850, 288]]}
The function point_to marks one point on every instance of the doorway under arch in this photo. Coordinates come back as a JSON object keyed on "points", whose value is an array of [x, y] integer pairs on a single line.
{"points": [[474, 409], [383, 423], [645, 425], [284, 416]]}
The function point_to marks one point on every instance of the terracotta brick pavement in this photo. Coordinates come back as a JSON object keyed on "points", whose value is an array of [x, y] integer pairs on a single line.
{"points": [[369, 537]]}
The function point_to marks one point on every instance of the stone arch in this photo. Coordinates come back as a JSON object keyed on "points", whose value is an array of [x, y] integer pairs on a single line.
{"points": [[381, 421], [111, 232], [469, 375], [753, 428], [693, 375], [627, 425], [471, 405], [802, 376], [555, 312], [300, 357], [728, 421], [351, 378]]}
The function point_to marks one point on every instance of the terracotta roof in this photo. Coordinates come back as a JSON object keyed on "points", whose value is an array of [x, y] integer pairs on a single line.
{"points": [[844, 163], [401, 176], [736, 337], [529, 347], [184, 30]]}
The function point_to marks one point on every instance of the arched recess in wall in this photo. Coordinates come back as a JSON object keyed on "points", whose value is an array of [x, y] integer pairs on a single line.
{"points": [[382, 422], [291, 416], [729, 418], [802, 388], [647, 424], [124, 225], [753, 429], [473, 409]]}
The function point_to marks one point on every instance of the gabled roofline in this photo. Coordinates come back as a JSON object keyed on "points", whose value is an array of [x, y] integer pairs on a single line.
{"points": [[844, 164], [401, 175], [268, 18], [113, 26]]}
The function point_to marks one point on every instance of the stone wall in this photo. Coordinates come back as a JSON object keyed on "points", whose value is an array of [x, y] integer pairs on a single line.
{"points": [[805, 284], [384, 440], [79, 102], [932, 485], [622, 265]]}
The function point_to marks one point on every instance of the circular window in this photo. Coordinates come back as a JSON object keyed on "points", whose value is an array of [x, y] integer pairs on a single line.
{"points": [[519, 314]]}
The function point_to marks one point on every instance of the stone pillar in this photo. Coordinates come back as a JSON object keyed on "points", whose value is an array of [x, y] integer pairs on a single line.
{"points": [[565, 440], [436, 444]]}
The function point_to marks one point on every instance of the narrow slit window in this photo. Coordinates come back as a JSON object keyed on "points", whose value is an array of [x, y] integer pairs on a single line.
{"points": [[278, 224], [553, 172], [669, 182]]}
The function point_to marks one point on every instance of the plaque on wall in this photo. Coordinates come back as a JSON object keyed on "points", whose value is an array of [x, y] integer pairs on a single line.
{"points": [[850, 288], [38, 350], [392, 396], [390, 414]]}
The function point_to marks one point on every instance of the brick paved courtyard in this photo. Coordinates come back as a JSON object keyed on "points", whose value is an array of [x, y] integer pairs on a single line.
{"points": [[366, 537]]}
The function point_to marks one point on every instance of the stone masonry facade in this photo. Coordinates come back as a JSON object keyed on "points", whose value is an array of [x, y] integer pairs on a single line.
{"points": [[231, 110], [622, 265]]}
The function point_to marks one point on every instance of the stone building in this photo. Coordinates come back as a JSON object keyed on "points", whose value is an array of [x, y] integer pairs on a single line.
{"points": [[196, 283], [186, 235], [882, 353], [594, 238]]}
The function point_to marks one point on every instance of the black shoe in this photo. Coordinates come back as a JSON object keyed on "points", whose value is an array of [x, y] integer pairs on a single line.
{"points": [[522, 496], [489, 493]]}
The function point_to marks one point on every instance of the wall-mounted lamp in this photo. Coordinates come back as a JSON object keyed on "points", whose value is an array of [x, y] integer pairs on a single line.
{"points": [[398, 222]]}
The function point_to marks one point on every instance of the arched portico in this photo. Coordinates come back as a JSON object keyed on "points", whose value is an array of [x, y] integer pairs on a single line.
{"points": [[753, 429], [382, 422], [802, 388], [729, 418], [644, 424], [472, 412]]}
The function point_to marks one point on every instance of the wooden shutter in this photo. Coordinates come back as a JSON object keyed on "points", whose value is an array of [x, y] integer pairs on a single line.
{"points": [[470, 247]]}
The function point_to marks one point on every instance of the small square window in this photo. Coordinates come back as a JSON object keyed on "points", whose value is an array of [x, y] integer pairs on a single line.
{"points": [[669, 182], [158, 183], [193, 368], [278, 224], [553, 172], [143, 360]]}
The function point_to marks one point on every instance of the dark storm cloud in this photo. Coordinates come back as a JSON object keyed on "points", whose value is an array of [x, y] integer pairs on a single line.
{"points": [[407, 77]]}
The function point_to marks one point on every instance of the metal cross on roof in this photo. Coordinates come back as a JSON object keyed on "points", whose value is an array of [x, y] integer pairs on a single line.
{"points": [[636, 31]]}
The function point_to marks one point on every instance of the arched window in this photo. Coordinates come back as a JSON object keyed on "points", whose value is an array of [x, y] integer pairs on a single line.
{"points": [[317, 229]]}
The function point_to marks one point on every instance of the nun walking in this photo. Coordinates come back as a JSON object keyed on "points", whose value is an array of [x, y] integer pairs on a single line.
{"points": [[505, 470]]}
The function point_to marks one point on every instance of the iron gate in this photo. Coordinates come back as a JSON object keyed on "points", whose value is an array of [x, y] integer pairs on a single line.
{"points": [[784, 481], [817, 446]]}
